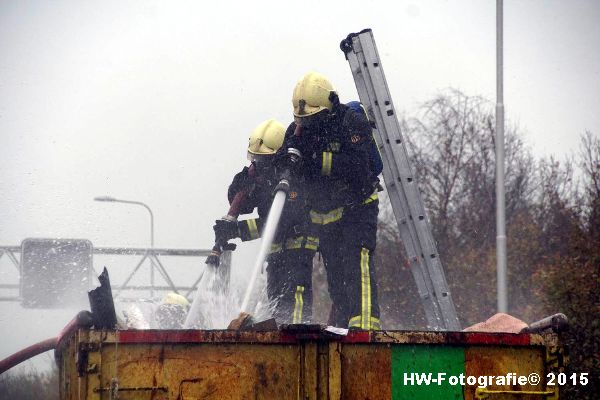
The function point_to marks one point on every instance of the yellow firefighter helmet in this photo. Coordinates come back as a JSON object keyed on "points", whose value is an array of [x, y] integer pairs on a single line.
{"points": [[266, 138], [175, 299], [311, 95]]}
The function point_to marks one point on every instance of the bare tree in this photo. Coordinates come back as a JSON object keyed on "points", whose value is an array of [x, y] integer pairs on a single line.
{"points": [[32, 385], [569, 281], [453, 142], [590, 164]]}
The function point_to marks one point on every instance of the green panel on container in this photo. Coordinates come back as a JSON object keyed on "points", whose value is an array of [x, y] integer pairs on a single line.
{"points": [[426, 361]]}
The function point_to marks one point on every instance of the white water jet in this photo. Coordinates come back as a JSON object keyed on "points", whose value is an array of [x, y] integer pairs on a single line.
{"points": [[268, 235], [213, 306]]}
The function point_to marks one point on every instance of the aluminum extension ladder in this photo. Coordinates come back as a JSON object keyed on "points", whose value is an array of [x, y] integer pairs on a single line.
{"points": [[407, 204]]}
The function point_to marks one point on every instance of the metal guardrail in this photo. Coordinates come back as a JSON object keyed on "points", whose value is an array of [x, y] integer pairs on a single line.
{"points": [[13, 253]]}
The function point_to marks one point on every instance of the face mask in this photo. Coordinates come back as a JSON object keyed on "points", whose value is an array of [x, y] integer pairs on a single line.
{"points": [[312, 121]]}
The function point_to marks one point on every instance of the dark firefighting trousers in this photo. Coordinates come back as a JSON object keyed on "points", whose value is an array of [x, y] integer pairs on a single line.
{"points": [[289, 279], [347, 244]]}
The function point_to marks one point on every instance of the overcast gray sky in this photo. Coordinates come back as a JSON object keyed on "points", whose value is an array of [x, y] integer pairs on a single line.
{"points": [[154, 101]]}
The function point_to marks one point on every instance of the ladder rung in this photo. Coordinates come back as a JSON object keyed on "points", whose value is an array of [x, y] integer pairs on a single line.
{"points": [[362, 55]]}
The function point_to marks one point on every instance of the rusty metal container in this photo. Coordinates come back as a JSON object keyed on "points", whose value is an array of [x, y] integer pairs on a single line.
{"points": [[193, 364]]}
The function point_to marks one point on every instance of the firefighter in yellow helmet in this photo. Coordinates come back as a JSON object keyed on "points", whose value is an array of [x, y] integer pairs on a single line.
{"points": [[289, 270], [336, 144], [171, 312]]}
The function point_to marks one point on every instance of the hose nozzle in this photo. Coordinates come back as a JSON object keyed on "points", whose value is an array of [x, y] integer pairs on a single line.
{"points": [[293, 160], [295, 154], [283, 185]]}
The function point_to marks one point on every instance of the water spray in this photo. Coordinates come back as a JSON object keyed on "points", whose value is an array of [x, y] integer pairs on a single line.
{"points": [[270, 228], [208, 278]]}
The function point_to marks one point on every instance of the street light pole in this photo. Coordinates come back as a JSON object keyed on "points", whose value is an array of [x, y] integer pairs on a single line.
{"points": [[139, 203], [501, 258]]}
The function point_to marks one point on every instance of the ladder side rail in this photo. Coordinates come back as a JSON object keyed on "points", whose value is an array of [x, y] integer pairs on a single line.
{"points": [[390, 175], [398, 168], [418, 269], [417, 208], [400, 154], [417, 215], [398, 201]]}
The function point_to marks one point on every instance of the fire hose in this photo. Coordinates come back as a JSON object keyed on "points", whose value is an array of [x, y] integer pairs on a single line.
{"points": [[84, 318]]}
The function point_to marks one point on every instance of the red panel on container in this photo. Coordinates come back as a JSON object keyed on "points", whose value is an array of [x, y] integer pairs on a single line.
{"points": [[199, 336], [357, 337], [466, 338]]}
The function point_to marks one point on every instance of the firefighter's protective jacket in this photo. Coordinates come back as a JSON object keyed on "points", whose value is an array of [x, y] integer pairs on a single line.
{"points": [[289, 271], [342, 194], [260, 186], [335, 159]]}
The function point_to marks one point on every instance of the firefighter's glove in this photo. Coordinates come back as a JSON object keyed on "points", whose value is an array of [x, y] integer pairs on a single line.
{"points": [[225, 230], [287, 163], [296, 142], [241, 181]]}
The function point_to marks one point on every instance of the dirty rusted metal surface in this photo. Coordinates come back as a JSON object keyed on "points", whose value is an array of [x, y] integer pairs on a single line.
{"points": [[300, 364], [463, 338], [178, 370], [366, 372], [274, 336], [227, 371], [498, 361]]}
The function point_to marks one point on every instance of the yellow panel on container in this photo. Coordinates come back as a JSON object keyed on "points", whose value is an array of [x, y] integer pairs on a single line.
{"points": [[366, 372], [200, 371], [190, 364], [501, 361]]}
